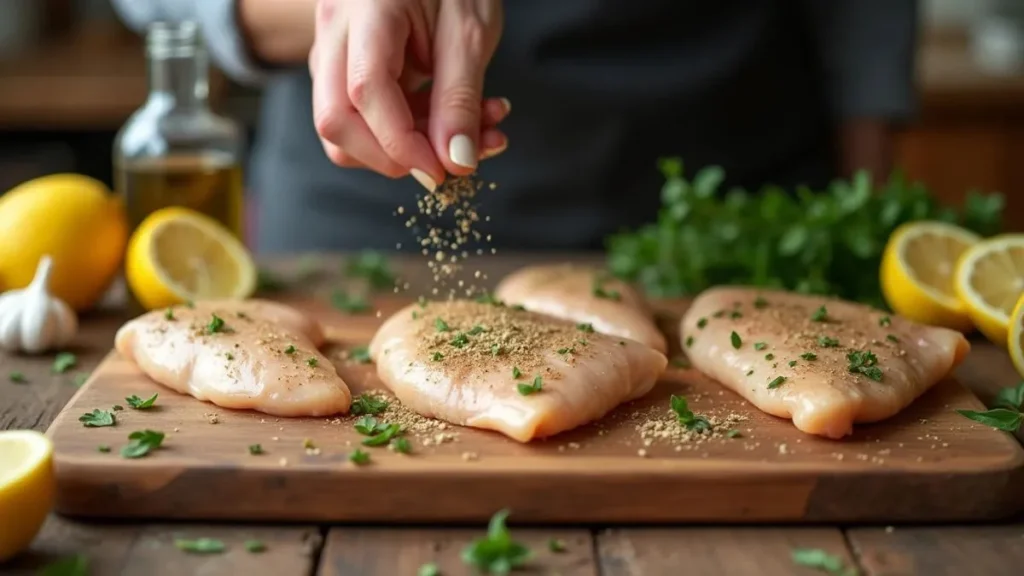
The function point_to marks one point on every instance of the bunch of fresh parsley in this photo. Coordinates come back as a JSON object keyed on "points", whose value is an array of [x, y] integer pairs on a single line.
{"points": [[827, 242], [1006, 409]]}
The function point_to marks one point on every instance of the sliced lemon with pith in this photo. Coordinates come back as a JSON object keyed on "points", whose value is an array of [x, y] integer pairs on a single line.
{"points": [[990, 281], [177, 255], [27, 488], [1015, 343], [918, 265]]}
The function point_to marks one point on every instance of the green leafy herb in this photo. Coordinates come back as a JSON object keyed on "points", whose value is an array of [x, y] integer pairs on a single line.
{"points": [[821, 560], [255, 546], [792, 363], [290, 350], [760, 345], [809, 356], [140, 404], [820, 315], [17, 377], [809, 241], [77, 565], [142, 443], [556, 545], [255, 449], [769, 356], [359, 457], [689, 341], [516, 373], [998, 418], [865, 362], [686, 417], [826, 342], [97, 419], [372, 266], [892, 338], [200, 545], [760, 303], [216, 325], [778, 381], [360, 354], [585, 327], [365, 404], [312, 362], [496, 553], [701, 323], [441, 325], [437, 357], [401, 445], [351, 303], [460, 340], [1011, 398], [63, 362], [527, 389], [383, 435], [429, 569], [736, 340], [885, 321], [368, 426]]}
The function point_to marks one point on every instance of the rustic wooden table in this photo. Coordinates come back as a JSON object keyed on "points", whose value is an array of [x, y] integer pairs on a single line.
{"points": [[135, 548]]}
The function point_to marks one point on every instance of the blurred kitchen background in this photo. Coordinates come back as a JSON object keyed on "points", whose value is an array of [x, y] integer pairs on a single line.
{"points": [[70, 75]]}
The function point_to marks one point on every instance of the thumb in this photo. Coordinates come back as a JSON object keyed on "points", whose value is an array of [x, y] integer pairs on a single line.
{"points": [[467, 34]]}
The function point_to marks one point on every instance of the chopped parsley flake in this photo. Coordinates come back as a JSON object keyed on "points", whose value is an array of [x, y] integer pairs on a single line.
{"points": [[441, 325], [216, 325], [527, 389], [686, 417], [760, 303], [735, 315], [359, 457], [809, 356], [689, 341], [826, 342], [769, 356], [820, 315], [255, 449], [516, 373], [702, 323], [97, 419], [892, 338], [64, 362], [312, 362], [736, 340], [17, 377], [760, 345], [289, 350], [140, 404], [885, 321], [865, 362], [778, 381], [478, 329], [437, 357], [585, 327], [460, 340], [365, 404]]}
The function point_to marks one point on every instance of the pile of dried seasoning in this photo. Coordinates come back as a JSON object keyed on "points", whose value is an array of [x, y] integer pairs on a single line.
{"points": [[465, 335], [447, 229]]}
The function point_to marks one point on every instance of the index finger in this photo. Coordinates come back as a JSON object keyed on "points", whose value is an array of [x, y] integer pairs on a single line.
{"points": [[377, 39]]}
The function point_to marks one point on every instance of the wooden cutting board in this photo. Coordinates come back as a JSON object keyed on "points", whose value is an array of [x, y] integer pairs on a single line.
{"points": [[926, 464]]}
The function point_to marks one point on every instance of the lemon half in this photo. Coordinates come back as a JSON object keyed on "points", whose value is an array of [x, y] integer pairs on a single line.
{"points": [[26, 488], [918, 266], [178, 254], [989, 281]]}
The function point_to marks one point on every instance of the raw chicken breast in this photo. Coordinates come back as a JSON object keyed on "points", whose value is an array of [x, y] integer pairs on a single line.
{"points": [[503, 368], [247, 355], [822, 362], [583, 294]]}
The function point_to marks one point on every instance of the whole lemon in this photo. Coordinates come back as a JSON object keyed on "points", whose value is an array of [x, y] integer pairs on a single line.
{"points": [[73, 218]]}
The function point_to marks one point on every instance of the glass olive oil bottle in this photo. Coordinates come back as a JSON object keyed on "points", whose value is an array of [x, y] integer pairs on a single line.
{"points": [[174, 151]]}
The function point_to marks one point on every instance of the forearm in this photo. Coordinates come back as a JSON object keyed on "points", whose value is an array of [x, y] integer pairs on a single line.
{"points": [[277, 32]]}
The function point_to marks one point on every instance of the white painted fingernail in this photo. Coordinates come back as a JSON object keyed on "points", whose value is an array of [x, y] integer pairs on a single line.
{"points": [[494, 151], [462, 151], [424, 179], [508, 105]]}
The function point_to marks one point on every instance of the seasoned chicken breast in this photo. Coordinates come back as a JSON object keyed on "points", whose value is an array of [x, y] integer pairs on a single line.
{"points": [[822, 362], [583, 294], [503, 368], [248, 355]]}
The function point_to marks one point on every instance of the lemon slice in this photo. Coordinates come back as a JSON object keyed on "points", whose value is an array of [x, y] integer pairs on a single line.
{"points": [[1015, 342], [990, 281], [177, 255], [917, 270], [26, 488]]}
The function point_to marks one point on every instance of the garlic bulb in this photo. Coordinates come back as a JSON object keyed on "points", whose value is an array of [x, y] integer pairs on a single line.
{"points": [[31, 320]]}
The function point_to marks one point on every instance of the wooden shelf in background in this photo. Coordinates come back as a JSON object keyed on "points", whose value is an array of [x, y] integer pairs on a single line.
{"points": [[75, 84]]}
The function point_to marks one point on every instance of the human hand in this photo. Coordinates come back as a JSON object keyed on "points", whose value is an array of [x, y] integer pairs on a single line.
{"points": [[368, 56]]}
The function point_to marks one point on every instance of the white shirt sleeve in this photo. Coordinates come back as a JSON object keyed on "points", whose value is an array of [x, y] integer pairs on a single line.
{"points": [[218, 20]]}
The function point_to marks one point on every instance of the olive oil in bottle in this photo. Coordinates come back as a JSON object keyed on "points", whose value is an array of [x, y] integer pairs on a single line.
{"points": [[174, 150]]}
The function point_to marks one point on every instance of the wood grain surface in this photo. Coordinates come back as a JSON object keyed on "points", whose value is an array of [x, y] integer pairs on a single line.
{"points": [[110, 547], [927, 463]]}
